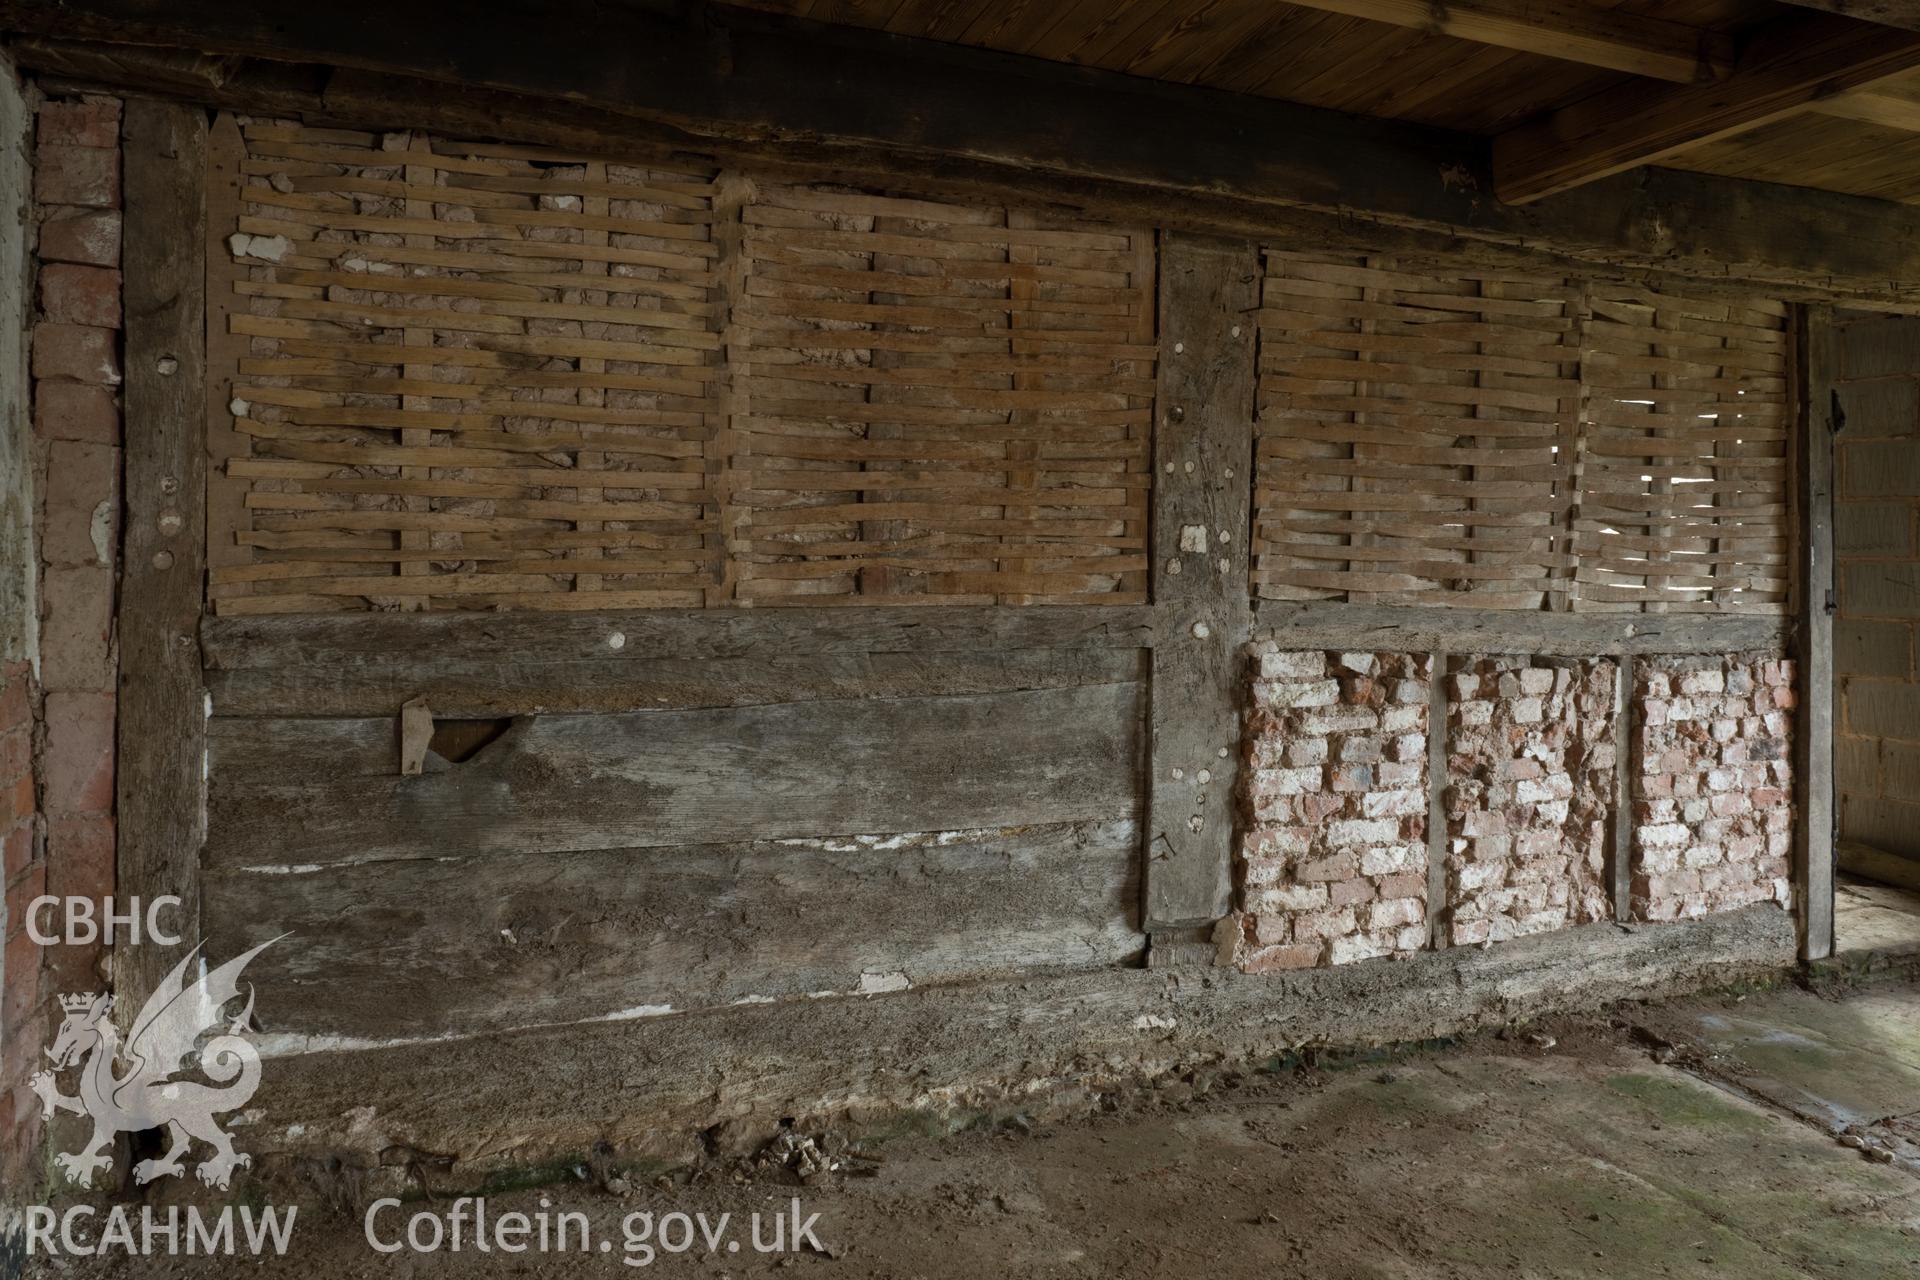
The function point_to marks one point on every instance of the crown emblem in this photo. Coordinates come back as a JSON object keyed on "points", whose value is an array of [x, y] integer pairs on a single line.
{"points": [[78, 1003]]}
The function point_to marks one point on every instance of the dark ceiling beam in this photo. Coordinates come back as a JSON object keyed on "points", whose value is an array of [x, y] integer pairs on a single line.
{"points": [[1892, 13], [1790, 67], [897, 112], [732, 74], [1572, 32]]}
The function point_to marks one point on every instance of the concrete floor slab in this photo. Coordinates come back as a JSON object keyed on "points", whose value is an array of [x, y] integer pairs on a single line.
{"points": [[1874, 917], [1843, 1063]]}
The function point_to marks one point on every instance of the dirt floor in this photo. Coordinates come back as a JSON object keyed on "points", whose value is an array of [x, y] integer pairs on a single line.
{"points": [[1757, 1136]]}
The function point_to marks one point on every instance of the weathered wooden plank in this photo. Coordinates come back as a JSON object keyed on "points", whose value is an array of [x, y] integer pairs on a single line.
{"points": [[470, 689], [495, 943], [162, 716], [1122, 145], [399, 639], [1412, 629], [1813, 739], [291, 791], [651, 1087], [1202, 495]]}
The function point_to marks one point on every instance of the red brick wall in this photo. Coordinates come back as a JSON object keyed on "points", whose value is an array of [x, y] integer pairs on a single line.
{"points": [[75, 365], [21, 1032]]}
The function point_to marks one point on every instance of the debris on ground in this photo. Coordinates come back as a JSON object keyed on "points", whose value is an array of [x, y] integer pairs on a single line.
{"points": [[810, 1159]]}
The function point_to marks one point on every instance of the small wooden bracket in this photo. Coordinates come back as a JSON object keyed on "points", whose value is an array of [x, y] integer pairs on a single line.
{"points": [[416, 736]]}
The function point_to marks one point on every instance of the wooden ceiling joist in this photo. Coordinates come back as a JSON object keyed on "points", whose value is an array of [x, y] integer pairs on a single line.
{"points": [[1572, 32], [1882, 109], [1891, 13], [1790, 68]]}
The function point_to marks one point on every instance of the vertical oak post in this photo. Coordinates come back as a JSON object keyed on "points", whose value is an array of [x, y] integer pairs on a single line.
{"points": [[1813, 744], [162, 711], [1202, 503]]}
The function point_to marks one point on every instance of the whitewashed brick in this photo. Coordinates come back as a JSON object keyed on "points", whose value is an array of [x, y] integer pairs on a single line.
{"points": [[1395, 912], [1362, 831], [1662, 835], [1358, 946], [1281, 694], [1393, 804], [1289, 665], [1388, 860]]}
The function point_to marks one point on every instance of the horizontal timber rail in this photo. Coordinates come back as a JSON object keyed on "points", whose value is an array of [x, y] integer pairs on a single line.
{"points": [[257, 643], [1414, 629], [362, 640]]}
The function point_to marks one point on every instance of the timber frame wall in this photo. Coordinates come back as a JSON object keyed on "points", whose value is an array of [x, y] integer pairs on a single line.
{"points": [[1112, 729], [1060, 442]]}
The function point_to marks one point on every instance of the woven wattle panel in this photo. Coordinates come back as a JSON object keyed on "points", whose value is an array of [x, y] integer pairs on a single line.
{"points": [[463, 375], [1683, 496], [1500, 441], [944, 403], [1415, 434], [459, 375]]}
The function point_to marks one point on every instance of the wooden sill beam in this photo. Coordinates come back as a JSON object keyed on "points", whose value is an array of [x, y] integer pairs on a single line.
{"points": [[1571, 32], [1794, 66]]}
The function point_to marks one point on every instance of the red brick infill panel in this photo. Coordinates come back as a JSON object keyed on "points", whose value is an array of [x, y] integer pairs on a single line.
{"points": [[1530, 769], [1713, 802], [1332, 866]]}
